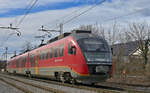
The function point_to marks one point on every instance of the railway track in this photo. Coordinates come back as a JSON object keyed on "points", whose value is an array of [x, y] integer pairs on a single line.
{"points": [[78, 86], [96, 88], [16, 86], [131, 87], [7, 80]]}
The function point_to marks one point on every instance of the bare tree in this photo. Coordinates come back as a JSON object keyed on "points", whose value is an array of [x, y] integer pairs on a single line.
{"points": [[96, 29], [140, 32], [100, 30], [109, 33], [86, 27], [113, 33]]}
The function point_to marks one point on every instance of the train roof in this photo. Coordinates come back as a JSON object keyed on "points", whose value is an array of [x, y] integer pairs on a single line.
{"points": [[77, 34], [73, 33]]}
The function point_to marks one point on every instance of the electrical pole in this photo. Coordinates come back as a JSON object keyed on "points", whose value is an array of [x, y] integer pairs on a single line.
{"points": [[6, 52], [14, 53], [49, 31], [61, 28]]}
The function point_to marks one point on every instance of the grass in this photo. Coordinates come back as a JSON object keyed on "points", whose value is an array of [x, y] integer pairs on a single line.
{"points": [[134, 68]]}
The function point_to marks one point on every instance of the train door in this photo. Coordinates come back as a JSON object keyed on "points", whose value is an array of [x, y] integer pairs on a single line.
{"points": [[37, 63], [71, 53], [28, 64], [20, 65]]}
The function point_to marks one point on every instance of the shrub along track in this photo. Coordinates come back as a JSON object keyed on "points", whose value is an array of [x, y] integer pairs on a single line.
{"points": [[95, 88], [6, 80]]}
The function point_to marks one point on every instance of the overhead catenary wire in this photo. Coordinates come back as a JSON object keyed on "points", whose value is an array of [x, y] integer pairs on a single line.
{"points": [[66, 16], [118, 17], [92, 7], [128, 14], [71, 15], [114, 18], [26, 8], [27, 12], [6, 39]]}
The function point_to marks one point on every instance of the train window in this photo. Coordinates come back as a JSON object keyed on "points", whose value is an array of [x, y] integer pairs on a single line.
{"points": [[47, 53], [17, 63], [51, 53], [25, 59], [61, 50], [40, 56], [43, 55], [24, 62], [69, 48], [32, 60], [56, 52]]}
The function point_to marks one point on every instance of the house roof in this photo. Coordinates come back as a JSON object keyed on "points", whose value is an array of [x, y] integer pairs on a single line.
{"points": [[124, 49]]}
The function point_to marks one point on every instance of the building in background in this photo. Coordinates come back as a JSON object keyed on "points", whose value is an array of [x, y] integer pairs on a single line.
{"points": [[2, 65], [123, 51]]}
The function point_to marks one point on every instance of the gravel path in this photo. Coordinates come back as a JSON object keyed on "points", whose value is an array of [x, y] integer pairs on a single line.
{"points": [[5, 88], [59, 87]]}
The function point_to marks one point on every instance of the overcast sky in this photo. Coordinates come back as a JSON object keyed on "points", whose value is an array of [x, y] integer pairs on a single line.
{"points": [[50, 13]]}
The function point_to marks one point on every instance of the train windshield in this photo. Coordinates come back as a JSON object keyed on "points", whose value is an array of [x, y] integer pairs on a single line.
{"points": [[95, 50]]}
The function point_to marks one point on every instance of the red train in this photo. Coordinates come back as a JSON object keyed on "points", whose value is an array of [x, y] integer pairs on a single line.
{"points": [[79, 56]]}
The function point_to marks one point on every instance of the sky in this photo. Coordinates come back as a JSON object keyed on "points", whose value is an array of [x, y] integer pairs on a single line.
{"points": [[51, 13]]}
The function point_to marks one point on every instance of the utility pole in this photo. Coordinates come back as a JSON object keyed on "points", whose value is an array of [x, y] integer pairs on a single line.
{"points": [[6, 52], [61, 28], [14, 53], [49, 31]]}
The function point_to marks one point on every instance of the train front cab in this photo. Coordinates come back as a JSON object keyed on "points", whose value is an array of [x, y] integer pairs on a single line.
{"points": [[98, 58]]}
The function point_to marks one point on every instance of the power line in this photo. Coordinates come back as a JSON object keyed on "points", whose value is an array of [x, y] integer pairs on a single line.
{"points": [[65, 16], [131, 13], [97, 3], [72, 13], [92, 7], [26, 8], [21, 20], [27, 12], [6, 39]]}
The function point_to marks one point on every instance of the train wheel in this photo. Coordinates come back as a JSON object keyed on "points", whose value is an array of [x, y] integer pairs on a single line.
{"points": [[14, 72], [62, 79], [93, 84], [73, 81], [29, 75], [57, 76], [67, 77]]}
